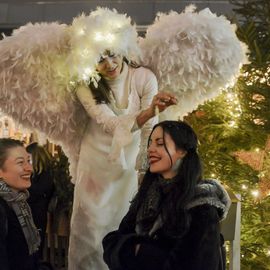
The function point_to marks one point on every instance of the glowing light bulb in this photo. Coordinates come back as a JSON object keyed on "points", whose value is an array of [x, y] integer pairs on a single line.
{"points": [[87, 73], [98, 36], [213, 175], [72, 83], [255, 193], [88, 70], [81, 32], [119, 25], [244, 187], [262, 80], [110, 37], [232, 123]]}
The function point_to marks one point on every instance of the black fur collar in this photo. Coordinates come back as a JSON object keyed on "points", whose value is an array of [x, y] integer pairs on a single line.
{"points": [[210, 191]]}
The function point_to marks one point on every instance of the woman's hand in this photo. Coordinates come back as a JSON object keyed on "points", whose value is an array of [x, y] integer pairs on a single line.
{"points": [[162, 101]]}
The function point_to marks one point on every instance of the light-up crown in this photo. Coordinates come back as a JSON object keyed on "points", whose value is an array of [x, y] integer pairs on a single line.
{"points": [[90, 36]]}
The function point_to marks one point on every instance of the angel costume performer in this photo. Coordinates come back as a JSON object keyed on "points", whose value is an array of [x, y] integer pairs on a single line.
{"points": [[45, 74], [103, 190]]}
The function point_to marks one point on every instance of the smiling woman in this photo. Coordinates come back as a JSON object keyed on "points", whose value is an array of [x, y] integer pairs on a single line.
{"points": [[17, 169], [110, 65], [173, 221], [163, 155], [19, 238]]}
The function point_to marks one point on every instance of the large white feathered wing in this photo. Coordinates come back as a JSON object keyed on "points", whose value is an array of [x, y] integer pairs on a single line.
{"points": [[34, 82], [194, 55]]}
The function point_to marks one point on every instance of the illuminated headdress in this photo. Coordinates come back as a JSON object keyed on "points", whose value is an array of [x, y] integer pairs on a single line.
{"points": [[92, 35]]}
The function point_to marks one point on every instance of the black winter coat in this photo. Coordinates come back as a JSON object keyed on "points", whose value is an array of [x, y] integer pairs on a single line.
{"points": [[14, 254], [41, 192], [198, 249]]}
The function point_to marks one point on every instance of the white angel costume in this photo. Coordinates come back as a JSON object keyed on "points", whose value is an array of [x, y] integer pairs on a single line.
{"points": [[193, 55], [104, 188]]}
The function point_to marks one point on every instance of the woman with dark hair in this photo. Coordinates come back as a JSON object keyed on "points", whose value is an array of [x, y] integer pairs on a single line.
{"points": [[19, 238], [42, 188], [173, 221]]}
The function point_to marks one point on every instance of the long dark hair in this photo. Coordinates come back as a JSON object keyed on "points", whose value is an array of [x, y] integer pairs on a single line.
{"points": [[102, 92], [41, 158], [5, 145], [188, 175]]}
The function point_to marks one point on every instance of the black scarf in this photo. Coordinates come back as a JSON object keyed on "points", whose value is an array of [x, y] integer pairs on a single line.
{"points": [[148, 218]]}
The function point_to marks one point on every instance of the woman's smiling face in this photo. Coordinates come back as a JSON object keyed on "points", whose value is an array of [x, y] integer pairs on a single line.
{"points": [[17, 169], [160, 160], [110, 66]]}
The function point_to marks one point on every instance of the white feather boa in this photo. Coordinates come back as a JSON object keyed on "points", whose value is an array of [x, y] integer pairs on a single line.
{"points": [[194, 55]]}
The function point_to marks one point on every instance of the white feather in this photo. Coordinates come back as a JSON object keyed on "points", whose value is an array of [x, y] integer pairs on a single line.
{"points": [[194, 55], [34, 84]]}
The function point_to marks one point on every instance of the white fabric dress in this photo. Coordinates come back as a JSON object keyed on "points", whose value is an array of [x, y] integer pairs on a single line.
{"points": [[106, 176]]}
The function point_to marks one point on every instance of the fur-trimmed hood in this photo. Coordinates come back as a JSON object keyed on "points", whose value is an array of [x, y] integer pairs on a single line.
{"points": [[210, 191]]}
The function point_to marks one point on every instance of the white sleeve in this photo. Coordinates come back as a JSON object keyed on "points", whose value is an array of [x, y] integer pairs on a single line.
{"points": [[149, 89], [120, 127]]}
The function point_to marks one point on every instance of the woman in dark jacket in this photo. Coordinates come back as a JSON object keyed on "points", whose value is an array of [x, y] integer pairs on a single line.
{"points": [[19, 238], [42, 188], [173, 222]]}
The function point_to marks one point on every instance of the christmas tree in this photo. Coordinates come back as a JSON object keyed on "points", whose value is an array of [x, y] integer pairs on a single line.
{"points": [[234, 134]]}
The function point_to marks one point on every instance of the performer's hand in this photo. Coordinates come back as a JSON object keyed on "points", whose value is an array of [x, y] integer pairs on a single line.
{"points": [[162, 101]]}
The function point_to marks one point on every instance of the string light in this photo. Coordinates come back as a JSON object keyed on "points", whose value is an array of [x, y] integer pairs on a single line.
{"points": [[234, 108], [87, 73], [81, 32], [104, 37], [257, 76], [232, 123], [244, 187], [230, 96], [110, 37], [98, 36], [255, 193]]}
